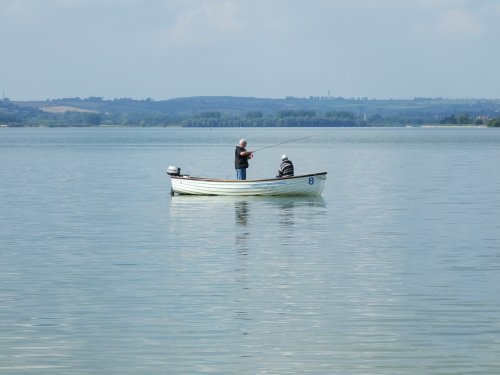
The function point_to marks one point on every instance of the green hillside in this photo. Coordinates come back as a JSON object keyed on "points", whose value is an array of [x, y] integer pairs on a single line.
{"points": [[227, 111]]}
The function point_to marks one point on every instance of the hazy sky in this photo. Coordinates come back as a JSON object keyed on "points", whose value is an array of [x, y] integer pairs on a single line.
{"points": [[163, 49]]}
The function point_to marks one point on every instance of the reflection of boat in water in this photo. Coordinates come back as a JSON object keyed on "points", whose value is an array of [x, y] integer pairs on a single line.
{"points": [[309, 184], [183, 203], [219, 218], [218, 209]]}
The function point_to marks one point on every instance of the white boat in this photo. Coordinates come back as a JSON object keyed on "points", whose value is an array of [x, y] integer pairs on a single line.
{"points": [[308, 184]]}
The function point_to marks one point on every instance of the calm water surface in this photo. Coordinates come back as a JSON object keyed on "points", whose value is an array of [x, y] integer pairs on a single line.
{"points": [[395, 269]]}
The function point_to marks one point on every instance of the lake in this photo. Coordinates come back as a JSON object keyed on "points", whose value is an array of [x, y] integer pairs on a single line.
{"points": [[395, 269]]}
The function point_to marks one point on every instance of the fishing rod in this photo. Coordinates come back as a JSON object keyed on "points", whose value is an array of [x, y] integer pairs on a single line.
{"points": [[290, 140]]}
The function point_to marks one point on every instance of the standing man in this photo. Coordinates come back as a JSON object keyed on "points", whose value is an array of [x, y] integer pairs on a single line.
{"points": [[241, 156], [286, 167]]}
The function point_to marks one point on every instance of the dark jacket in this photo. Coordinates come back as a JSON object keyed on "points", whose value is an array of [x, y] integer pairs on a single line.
{"points": [[240, 161]]}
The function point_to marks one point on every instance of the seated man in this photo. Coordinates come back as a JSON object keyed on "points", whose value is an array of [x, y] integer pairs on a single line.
{"points": [[286, 167]]}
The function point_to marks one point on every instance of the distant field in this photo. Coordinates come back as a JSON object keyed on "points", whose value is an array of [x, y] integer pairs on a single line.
{"points": [[65, 108], [224, 111]]}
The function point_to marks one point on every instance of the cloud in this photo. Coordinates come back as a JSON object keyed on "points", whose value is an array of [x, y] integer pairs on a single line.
{"points": [[204, 23], [460, 22], [457, 19]]}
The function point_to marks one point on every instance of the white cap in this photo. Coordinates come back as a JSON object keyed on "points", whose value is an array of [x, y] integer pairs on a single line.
{"points": [[284, 157]]}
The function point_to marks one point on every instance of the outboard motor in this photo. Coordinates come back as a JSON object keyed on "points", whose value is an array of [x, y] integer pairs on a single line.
{"points": [[173, 171]]}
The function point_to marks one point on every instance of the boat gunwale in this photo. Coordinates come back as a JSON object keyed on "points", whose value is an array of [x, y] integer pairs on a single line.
{"points": [[246, 181]]}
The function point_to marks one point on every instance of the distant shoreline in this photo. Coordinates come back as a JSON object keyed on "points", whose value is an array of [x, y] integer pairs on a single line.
{"points": [[107, 126], [243, 112], [453, 126]]}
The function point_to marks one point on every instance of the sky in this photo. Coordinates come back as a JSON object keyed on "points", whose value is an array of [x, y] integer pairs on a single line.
{"points": [[164, 49]]}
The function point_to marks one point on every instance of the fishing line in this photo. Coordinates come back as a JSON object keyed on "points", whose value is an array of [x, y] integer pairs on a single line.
{"points": [[290, 140]]}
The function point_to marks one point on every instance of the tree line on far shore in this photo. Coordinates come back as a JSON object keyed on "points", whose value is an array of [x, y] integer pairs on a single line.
{"points": [[146, 113], [284, 118]]}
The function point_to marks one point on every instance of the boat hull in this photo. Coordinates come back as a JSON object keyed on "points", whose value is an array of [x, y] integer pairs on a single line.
{"points": [[310, 184]]}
